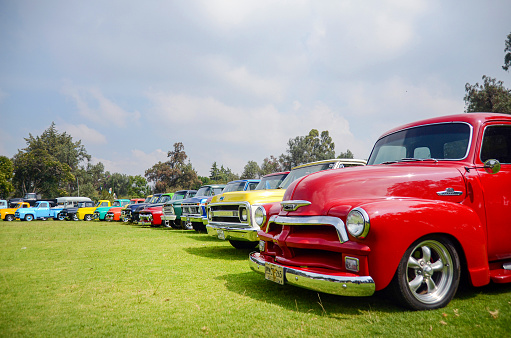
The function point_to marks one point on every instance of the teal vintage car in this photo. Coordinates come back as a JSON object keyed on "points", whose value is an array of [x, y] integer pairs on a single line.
{"points": [[100, 212]]}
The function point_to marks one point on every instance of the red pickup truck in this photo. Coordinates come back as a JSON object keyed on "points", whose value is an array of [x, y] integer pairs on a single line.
{"points": [[433, 202]]}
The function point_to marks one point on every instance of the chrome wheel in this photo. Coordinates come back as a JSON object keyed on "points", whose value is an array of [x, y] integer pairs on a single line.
{"points": [[428, 274], [88, 217]]}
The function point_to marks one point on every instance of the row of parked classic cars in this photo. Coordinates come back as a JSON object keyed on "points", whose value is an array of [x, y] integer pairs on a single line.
{"points": [[433, 204]]}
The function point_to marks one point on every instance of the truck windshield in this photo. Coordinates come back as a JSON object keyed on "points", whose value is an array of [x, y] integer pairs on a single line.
{"points": [[444, 141], [270, 182], [204, 191], [179, 195], [303, 171], [234, 186]]}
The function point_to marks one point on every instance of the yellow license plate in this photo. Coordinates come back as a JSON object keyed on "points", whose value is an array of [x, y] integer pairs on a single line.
{"points": [[223, 213], [273, 272]]}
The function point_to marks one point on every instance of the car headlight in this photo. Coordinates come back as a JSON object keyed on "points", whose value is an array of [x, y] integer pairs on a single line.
{"points": [[358, 223], [259, 216], [210, 215], [243, 214]]}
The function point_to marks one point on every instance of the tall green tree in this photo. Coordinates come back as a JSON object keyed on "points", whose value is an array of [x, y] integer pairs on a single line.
{"points": [[309, 148], [138, 187], [174, 174], [6, 175], [60, 146], [490, 96], [347, 154], [38, 171], [270, 165], [251, 170], [507, 56]]}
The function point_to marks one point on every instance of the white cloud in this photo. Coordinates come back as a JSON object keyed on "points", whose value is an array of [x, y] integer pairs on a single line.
{"points": [[94, 106], [136, 163], [83, 133], [234, 135]]}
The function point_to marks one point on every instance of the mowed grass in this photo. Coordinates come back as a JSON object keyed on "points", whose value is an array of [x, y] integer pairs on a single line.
{"points": [[102, 279]]}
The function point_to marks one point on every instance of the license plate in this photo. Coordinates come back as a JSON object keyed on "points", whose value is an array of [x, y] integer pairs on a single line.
{"points": [[223, 213], [221, 234], [273, 272]]}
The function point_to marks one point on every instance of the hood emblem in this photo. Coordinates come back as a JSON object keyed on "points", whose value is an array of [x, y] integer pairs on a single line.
{"points": [[221, 198], [449, 192], [293, 205]]}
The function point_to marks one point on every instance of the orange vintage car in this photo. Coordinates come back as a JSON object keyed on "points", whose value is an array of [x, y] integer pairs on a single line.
{"points": [[114, 214]]}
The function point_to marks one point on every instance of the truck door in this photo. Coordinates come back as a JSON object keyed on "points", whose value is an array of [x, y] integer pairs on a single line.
{"points": [[496, 144]]}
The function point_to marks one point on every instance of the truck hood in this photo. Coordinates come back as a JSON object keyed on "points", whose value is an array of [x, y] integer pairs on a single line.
{"points": [[358, 185], [253, 196]]}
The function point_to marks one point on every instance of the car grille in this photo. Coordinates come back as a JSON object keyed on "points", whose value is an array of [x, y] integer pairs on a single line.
{"points": [[229, 213], [191, 209], [313, 242], [146, 218], [168, 211]]}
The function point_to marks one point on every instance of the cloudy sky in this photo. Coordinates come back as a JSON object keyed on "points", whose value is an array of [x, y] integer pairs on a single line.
{"points": [[235, 80]]}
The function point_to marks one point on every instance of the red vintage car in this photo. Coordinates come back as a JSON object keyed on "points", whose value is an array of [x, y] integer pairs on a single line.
{"points": [[433, 202], [151, 215], [114, 214]]}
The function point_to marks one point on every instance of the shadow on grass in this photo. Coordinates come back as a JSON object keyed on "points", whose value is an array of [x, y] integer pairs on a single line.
{"points": [[254, 285], [297, 299], [492, 289], [220, 252]]}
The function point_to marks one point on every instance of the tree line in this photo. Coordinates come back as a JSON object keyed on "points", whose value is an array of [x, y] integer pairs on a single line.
{"points": [[177, 172], [54, 165]]}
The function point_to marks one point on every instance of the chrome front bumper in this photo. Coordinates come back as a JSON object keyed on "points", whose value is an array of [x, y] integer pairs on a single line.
{"points": [[339, 284], [168, 217], [238, 234]]}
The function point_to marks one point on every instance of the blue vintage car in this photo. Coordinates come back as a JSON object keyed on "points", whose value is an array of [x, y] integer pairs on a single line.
{"points": [[194, 209], [42, 210]]}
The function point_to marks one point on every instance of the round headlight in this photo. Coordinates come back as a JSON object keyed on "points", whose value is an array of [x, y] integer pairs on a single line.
{"points": [[357, 223], [260, 216], [243, 214]]}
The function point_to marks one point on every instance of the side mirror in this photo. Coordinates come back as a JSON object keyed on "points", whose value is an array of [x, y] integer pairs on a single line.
{"points": [[492, 166]]}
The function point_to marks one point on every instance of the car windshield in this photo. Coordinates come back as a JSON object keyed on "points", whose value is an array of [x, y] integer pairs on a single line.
{"points": [[153, 199], [203, 191], [270, 182], [234, 186], [191, 194], [164, 198], [217, 191], [444, 141], [116, 204], [179, 195], [303, 171]]}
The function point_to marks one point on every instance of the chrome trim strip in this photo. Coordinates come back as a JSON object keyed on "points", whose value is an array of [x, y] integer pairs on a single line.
{"points": [[449, 192], [358, 286], [293, 205], [337, 223]]}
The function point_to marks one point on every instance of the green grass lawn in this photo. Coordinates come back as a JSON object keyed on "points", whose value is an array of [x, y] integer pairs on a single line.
{"points": [[99, 278]]}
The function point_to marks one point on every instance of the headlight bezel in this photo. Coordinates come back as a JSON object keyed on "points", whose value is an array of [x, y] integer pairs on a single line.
{"points": [[358, 223], [260, 215]]}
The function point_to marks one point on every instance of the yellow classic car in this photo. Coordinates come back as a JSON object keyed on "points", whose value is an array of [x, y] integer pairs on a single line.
{"points": [[87, 213], [230, 215], [7, 214]]}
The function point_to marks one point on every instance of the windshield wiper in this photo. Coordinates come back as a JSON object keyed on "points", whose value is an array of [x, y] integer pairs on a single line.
{"points": [[418, 159], [410, 159]]}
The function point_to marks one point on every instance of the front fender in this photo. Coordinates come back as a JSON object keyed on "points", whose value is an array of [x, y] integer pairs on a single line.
{"points": [[396, 223]]}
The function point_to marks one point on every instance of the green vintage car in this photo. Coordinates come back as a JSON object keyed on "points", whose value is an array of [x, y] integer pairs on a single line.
{"points": [[172, 209]]}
